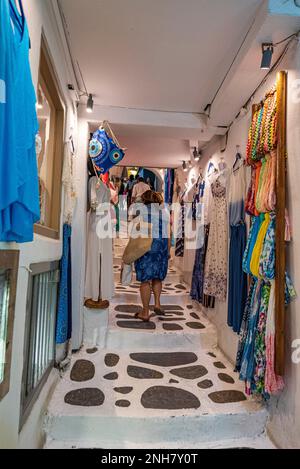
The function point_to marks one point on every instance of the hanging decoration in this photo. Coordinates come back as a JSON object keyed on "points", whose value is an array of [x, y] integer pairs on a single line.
{"points": [[105, 150]]}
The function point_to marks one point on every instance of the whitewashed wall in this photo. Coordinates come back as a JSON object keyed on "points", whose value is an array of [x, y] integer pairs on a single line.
{"points": [[284, 425], [40, 18]]}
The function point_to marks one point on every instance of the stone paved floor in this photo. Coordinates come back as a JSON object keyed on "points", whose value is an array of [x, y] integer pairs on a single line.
{"points": [[154, 381], [169, 288], [176, 318], [150, 383]]}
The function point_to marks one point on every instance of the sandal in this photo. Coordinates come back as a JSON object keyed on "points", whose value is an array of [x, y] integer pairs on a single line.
{"points": [[159, 312], [137, 316]]}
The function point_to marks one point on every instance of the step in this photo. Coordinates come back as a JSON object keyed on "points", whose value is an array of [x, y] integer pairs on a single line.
{"points": [[172, 292], [183, 328], [159, 412], [258, 442]]}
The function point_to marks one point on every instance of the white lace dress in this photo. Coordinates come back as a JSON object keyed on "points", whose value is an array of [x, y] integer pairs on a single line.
{"points": [[216, 263], [99, 266]]}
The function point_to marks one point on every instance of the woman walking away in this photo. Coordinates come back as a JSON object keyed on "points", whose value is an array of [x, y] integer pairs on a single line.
{"points": [[152, 268]]}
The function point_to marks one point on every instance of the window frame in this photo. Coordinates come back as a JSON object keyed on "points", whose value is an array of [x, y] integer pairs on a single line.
{"points": [[27, 402], [9, 260], [48, 78]]}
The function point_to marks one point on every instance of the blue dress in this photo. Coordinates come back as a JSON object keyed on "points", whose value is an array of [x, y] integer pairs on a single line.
{"points": [[19, 194], [154, 264]]}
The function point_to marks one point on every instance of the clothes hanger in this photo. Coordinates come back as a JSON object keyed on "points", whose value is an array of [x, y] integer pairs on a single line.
{"points": [[210, 167], [71, 143], [222, 164], [238, 158]]}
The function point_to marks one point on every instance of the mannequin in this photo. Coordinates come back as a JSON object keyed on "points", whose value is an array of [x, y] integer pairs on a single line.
{"points": [[99, 287]]}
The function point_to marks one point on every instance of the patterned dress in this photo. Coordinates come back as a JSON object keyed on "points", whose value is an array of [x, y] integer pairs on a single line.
{"points": [[215, 281], [154, 264]]}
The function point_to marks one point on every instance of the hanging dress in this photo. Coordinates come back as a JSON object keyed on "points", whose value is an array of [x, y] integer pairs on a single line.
{"points": [[64, 310], [8, 129], [215, 277], [99, 282], [198, 271], [237, 290], [202, 211], [180, 235], [19, 194]]}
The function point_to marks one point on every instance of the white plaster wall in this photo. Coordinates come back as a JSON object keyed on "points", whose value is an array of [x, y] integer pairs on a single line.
{"points": [[284, 425], [79, 235], [40, 18]]}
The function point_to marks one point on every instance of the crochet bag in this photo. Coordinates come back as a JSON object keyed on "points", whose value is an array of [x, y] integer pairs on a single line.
{"points": [[138, 245]]}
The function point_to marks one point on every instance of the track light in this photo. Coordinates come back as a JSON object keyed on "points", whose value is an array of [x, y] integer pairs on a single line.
{"points": [[190, 165], [90, 104], [267, 54], [184, 166], [197, 154]]}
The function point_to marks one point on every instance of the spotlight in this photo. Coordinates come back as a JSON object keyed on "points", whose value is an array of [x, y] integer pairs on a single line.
{"points": [[90, 104], [197, 154], [184, 166], [267, 54]]}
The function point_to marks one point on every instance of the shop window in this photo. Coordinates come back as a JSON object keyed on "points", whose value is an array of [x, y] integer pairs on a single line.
{"points": [[39, 348], [9, 261], [50, 110]]}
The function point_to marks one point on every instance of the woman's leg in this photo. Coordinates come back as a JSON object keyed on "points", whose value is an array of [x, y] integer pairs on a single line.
{"points": [[145, 290], [157, 289]]}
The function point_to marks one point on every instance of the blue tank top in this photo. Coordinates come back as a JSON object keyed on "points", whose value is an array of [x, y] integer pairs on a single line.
{"points": [[19, 198]]}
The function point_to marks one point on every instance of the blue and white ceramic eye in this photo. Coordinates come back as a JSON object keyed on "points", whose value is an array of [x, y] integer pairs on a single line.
{"points": [[116, 155], [95, 148]]}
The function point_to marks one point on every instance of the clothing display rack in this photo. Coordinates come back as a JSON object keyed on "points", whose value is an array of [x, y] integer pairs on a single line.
{"points": [[280, 223], [274, 138]]}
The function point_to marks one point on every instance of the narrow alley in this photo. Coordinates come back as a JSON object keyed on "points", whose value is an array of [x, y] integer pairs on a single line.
{"points": [[149, 226], [140, 385]]}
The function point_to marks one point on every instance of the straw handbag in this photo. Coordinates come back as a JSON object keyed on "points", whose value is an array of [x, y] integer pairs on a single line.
{"points": [[138, 245]]}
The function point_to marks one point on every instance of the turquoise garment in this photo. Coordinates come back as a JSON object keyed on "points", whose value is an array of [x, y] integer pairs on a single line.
{"points": [[19, 195], [8, 189]]}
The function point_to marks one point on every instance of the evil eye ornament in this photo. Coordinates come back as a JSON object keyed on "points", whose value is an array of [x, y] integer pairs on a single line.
{"points": [[95, 148], [116, 156], [104, 152]]}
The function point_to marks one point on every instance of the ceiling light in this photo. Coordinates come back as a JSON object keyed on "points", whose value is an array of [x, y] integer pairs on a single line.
{"points": [[197, 154], [184, 166], [90, 104], [267, 54]]}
